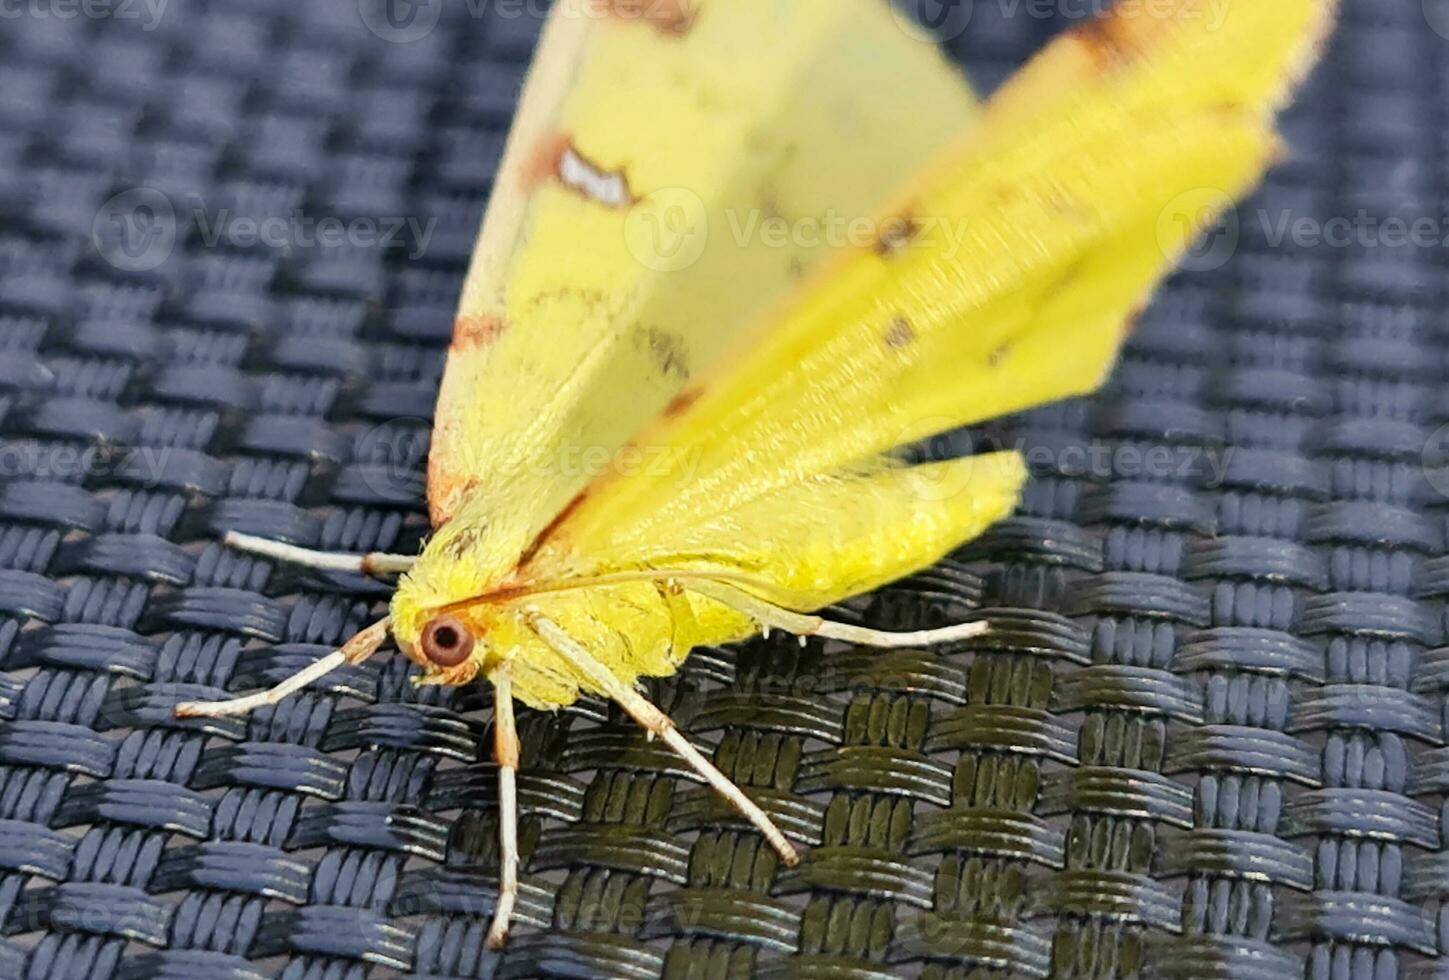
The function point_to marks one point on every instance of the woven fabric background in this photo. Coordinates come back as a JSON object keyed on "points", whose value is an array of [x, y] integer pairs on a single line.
{"points": [[1206, 738]]}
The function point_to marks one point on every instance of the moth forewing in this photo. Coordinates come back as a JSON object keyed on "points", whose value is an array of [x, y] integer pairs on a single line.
{"points": [[628, 215]]}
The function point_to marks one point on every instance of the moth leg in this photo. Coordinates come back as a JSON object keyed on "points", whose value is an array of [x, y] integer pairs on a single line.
{"points": [[363, 645], [657, 723], [770, 616], [370, 564], [505, 753]]}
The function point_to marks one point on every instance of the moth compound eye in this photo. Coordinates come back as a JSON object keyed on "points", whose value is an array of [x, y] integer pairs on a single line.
{"points": [[446, 641]]}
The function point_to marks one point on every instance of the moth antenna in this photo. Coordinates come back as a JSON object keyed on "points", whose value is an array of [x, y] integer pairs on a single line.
{"points": [[656, 722], [362, 645], [374, 563], [771, 616], [505, 753]]}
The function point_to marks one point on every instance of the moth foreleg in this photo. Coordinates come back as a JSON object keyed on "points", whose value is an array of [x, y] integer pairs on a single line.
{"points": [[363, 645], [505, 753]]}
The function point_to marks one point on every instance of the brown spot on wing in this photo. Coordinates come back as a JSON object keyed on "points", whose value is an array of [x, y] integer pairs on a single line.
{"points": [[465, 541], [669, 353], [1070, 273], [1004, 194], [682, 402], [1109, 41], [473, 332], [542, 164], [446, 487], [896, 235], [672, 18], [900, 334]]}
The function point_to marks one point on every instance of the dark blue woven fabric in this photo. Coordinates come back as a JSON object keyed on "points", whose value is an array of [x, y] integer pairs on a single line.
{"points": [[1206, 738]]}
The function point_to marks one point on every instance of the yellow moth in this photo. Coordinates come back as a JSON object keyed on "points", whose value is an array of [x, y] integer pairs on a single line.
{"points": [[660, 429]]}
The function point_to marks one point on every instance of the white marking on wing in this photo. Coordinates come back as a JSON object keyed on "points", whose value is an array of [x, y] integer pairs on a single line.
{"points": [[579, 174]]}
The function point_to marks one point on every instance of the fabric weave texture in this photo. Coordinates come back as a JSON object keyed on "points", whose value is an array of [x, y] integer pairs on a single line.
{"points": [[1205, 739]]}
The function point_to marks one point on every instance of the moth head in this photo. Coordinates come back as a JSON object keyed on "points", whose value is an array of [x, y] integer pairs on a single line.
{"points": [[449, 644], [436, 617], [449, 648]]}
